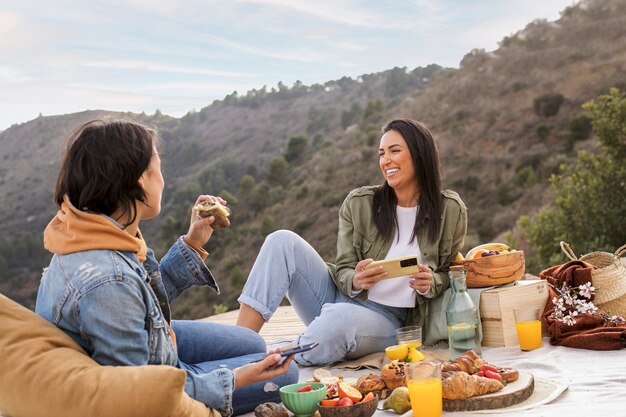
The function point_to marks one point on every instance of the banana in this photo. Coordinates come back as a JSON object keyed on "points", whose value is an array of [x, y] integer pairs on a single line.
{"points": [[487, 246]]}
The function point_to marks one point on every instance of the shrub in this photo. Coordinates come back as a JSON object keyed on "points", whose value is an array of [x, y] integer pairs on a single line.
{"points": [[296, 148], [579, 129], [543, 131], [548, 105], [277, 173]]}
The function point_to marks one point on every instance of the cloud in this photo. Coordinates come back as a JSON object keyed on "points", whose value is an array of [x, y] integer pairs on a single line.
{"points": [[9, 74], [347, 13], [145, 66], [135, 55], [9, 21], [302, 54], [19, 36]]}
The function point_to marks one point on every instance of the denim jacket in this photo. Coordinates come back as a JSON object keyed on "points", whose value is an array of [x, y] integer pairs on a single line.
{"points": [[117, 309], [358, 239]]}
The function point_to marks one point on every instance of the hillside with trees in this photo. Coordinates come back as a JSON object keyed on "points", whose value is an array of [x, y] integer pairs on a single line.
{"points": [[286, 156]]}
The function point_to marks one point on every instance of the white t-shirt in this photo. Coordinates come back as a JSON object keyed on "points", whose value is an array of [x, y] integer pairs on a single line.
{"points": [[396, 291]]}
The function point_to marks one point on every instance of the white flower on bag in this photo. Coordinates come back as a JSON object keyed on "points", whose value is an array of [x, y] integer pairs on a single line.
{"points": [[586, 290], [574, 302]]}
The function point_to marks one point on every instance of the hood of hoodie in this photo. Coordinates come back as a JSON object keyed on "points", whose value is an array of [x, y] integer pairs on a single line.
{"points": [[73, 230]]}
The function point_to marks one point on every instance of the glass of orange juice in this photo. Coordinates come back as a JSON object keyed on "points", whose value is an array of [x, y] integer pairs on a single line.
{"points": [[528, 325], [424, 382]]}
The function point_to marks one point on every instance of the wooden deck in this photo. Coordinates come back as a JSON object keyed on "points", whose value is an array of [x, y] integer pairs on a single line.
{"points": [[284, 324]]}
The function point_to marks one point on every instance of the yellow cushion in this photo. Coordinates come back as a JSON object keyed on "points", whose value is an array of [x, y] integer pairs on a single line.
{"points": [[44, 373]]}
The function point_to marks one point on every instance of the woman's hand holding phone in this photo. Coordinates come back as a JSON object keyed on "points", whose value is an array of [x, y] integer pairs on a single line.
{"points": [[267, 368], [422, 280], [364, 278]]}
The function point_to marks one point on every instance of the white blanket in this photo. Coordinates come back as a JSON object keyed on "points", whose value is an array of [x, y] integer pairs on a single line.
{"points": [[596, 380]]}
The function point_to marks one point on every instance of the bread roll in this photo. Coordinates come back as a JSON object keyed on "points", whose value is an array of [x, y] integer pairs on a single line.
{"points": [[393, 374]]}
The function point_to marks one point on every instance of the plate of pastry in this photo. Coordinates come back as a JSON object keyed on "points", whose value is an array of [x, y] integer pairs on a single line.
{"points": [[469, 383]]}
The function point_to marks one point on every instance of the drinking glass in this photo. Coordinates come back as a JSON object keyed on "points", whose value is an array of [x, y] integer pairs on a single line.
{"points": [[410, 335], [424, 382], [528, 325]]}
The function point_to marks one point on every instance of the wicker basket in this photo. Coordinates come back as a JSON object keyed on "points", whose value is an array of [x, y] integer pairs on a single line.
{"points": [[609, 278], [494, 270]]}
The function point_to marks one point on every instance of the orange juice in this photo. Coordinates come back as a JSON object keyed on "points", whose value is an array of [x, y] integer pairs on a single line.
{"points": [[529, 334], [426, 399]]}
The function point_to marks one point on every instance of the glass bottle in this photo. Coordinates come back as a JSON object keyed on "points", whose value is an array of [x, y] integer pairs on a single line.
{"points": [[461, 316]]}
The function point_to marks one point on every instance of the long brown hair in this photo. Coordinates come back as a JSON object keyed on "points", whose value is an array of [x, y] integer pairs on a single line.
{"points": [[102, 166], [428, 175]]}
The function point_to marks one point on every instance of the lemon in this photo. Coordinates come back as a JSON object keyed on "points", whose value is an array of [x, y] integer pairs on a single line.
{"points": [[412, 344], [459, 257], [397, 352], [415, 356]]}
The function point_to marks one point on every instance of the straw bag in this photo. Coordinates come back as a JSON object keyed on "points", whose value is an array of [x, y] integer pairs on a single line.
{"points": [[609, 278]]}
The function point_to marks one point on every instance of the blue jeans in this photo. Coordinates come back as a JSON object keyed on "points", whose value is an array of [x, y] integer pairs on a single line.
{"points": [[345, 327], [204, 347]]}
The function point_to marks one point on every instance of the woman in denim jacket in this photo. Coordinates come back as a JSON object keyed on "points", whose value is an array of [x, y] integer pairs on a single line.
{"points": [[106, 290], [350, 310]]}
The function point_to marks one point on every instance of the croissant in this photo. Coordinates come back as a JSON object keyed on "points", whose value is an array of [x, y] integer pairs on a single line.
{"points": [[461, 386], [469, 362]]}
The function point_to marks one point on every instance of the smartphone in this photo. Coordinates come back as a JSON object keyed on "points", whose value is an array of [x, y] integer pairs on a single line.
{"points": [[397, 267], [294, 350], [299, 349]]}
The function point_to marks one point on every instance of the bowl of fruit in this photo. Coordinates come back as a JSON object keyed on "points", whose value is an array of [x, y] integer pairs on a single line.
{"points": [[302, 399], [350, 402], [491, 264]]}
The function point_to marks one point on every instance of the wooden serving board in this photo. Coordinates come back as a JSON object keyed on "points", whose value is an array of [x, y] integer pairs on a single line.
{"points": [[513, 393]]}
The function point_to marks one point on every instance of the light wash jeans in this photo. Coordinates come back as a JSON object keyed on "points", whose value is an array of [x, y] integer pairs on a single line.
{"points": [[346, 328], [204, 347]]}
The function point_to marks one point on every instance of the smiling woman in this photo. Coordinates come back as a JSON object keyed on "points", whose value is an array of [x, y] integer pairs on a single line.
{"points": [[408, 215]]}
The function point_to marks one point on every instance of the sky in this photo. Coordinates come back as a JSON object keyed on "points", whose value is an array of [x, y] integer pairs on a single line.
{"points": [[66, 56]]}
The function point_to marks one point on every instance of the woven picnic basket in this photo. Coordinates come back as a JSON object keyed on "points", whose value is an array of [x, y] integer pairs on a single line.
{"points": [[609, 278]]}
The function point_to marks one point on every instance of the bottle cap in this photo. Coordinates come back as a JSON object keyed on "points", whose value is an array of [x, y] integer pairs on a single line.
{"points": [[457, 268]]}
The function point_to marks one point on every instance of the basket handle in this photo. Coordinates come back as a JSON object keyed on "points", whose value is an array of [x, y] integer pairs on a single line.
{"points": [[568, 251], [620, 251]]}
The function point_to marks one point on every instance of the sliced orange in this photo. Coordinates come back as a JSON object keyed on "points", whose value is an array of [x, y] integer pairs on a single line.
{"points": [[332, 402], [369, 396], [349, 391], [479, 254]]}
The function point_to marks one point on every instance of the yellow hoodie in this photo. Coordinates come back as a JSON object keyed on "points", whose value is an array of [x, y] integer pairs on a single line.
{"points": [[73, 230]]}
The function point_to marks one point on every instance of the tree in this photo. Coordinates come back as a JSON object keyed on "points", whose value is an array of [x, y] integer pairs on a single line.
{"points": [[548, 105], [277, 173], [590, 204], [246, 185], [296, 147]]}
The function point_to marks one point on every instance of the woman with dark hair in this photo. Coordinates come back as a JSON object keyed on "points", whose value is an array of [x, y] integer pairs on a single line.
{"points": [[349, 309], [107, 291]]}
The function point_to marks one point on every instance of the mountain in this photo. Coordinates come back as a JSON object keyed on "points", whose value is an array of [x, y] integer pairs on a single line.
{"points": [[286, 157]]}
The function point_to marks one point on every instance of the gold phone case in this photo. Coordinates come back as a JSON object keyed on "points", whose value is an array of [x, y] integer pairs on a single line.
{"points": [[398, 267]]}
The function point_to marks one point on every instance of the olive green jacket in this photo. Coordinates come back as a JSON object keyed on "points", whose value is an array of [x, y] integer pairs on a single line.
{"points": [[358, 239]]}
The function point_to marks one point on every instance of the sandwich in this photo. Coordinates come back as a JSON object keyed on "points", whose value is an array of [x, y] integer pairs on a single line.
{"points": [[217, 210]]}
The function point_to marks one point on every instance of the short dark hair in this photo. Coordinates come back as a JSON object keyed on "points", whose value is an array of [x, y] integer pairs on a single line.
{"points": [[428, 175], [102, 166]]}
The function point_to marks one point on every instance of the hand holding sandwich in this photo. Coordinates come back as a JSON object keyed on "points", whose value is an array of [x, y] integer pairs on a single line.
{"points": [[208, 213]]}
